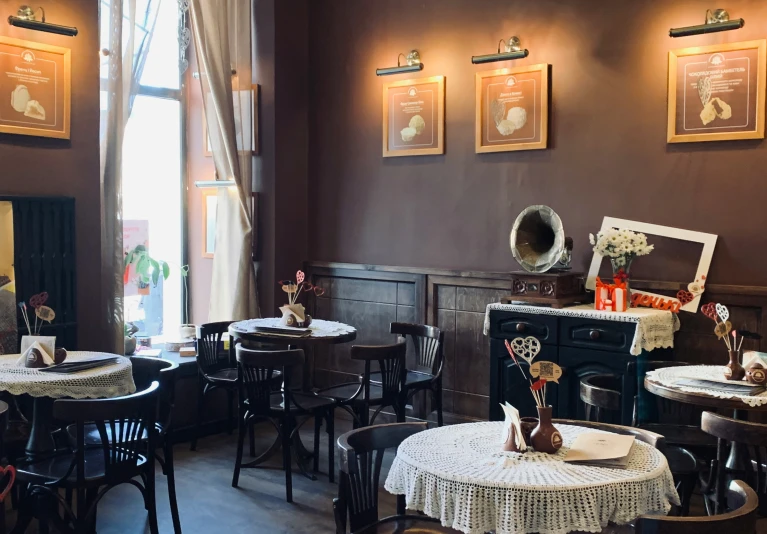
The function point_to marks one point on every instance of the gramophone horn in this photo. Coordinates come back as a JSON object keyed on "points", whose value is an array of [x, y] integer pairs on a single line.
{"points": [[538, 240]]}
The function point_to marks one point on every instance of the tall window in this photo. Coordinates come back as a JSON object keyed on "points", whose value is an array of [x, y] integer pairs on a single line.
{"points": [[152, 175]]}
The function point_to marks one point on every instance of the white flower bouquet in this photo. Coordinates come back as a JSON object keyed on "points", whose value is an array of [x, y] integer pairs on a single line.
{"points": [[621, 246]]}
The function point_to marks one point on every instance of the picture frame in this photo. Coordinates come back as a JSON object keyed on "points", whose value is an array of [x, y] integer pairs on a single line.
{"points": [[512, 109], [414, 117], [717, 92], [209, 211], [707, 240], [36, 89], [255, 97]]}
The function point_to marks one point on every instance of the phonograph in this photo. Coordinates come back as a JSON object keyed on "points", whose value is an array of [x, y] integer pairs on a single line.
{"points": [[539, 244]]}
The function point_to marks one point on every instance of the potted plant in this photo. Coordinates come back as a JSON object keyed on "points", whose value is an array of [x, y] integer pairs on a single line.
{"points": [[130, 338], [148, 270]]}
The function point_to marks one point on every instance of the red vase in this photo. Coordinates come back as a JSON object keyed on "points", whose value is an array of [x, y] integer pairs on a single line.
{"points": [[545, 436]]}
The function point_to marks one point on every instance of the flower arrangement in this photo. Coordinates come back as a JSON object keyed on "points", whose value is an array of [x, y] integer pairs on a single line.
{"points": [[621, 246], [42, 312], [527, 349], [294, 314]]}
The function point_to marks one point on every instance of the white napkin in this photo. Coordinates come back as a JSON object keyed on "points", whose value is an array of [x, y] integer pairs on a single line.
{"points": [[512, 421], [47, 358]]}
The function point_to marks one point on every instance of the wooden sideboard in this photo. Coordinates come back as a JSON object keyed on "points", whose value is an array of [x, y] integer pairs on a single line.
{"points": [[370, 297]]}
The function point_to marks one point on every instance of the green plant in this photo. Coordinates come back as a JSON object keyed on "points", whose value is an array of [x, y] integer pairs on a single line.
{"points": [[149, 269], [130, 329]]}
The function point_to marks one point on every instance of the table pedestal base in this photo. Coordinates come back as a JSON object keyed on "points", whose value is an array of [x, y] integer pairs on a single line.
{"points": [[40, 444]]}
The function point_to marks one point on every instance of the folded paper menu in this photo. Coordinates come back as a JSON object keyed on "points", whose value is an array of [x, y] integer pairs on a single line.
{"points": [[734, 386], [601, 449]]}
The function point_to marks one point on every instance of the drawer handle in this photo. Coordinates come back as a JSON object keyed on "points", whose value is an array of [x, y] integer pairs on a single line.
{"points": [[594, 334], [521, 327]]}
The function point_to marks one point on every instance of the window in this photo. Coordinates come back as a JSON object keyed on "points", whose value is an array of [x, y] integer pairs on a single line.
{"points": [[152, 173]]}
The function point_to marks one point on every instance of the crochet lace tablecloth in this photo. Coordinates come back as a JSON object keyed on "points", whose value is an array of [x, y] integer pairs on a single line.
{"points": [[669, 376], [318, 327], [457, 474], [654, 328], [109, 381]]}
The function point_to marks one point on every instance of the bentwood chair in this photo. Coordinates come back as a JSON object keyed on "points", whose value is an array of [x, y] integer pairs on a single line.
{"points": [[428, 342], [358, 398], [122, 457], [601, 396], [362, 453], [215, 370], [751, 440], [282, 409], [145, 371], [741, 500]]}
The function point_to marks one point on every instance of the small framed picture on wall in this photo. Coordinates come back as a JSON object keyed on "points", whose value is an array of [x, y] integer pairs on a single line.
{"points": [[245, 107], [512, 109], [209, 209], [717, 93], [414, 117]]}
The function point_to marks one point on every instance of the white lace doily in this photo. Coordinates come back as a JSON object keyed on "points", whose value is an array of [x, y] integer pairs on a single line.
{"points": [[458, 474], [668, 377], [318, 327], [654, 328], [109, 381]]}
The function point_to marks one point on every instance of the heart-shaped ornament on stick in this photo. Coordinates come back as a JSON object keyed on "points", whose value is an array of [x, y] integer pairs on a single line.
{"points": [[685, 297], [8, 475], [526, 348], [722, 312], [709, 310], [723, 329]]}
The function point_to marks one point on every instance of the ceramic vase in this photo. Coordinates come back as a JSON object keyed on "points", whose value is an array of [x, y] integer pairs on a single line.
{"points": [[734, 370], [624, 265], [295, 315], [756, 374], [545, 437]]}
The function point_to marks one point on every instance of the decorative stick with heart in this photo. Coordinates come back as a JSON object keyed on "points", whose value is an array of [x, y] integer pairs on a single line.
{"points": [[526, 348]]}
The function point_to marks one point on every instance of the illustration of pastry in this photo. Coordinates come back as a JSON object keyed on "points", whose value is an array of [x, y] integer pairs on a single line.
{"points": [[506, 127], [415, 127], [19, 98], [704, 89], [713, 108], [34, 110], [518, 116], [507, 123]]}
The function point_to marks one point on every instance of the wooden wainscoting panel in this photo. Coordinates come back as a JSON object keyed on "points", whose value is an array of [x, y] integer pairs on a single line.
{"points": [[476, 299], [446, 323], [472, 354], [364, 290], [406, 293], [445, 297]]}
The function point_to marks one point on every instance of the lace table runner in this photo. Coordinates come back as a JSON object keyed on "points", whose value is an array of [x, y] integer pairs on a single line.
{"points": [[654, 328], [457, 474], [318, 327], [112, 380], [669, 376]]}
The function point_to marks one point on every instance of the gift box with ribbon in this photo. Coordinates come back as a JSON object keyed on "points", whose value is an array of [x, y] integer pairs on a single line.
{"points": [[611, 297]]}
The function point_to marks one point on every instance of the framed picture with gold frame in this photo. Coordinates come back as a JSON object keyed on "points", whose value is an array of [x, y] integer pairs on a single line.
{"points": [[35, 88], [414, 117], [251, 104], [717, 92], [512, 109], [209, 209]]}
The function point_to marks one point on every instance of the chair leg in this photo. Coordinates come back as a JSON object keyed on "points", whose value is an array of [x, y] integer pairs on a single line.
{"points": [[317, 429], [171, 474], [151, 498], [90, 497], [201, 390], [331, 444], [286, 459], [687, 486], [252, 436], [437, 396], [230, 422], [240, 444]]}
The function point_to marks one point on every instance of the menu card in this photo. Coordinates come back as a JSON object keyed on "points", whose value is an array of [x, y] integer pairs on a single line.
{"points": [[601, 449]]}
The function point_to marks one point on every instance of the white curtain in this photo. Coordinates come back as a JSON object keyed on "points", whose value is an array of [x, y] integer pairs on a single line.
{"points": [[130, 28], [222, 36]]}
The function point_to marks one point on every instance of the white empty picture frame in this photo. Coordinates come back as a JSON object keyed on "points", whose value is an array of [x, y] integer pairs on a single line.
{"points": [[707, 240]]}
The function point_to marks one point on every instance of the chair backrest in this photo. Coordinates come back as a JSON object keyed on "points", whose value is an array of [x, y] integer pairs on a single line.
{"points": [[656, 409], [428, 342], [209, 358], [601, 396], [149, 369], [391, 362], [741, 499], [361, 455], [255, 369], [645, 436], [128, 419]]}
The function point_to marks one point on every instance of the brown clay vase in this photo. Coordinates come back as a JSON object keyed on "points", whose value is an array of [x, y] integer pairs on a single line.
{"points": [[756, 374], [734, 370], [545, 436]]}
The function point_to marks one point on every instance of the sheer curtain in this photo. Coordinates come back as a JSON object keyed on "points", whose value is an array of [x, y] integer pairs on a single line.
{"points": [[222, 38], [127, 27]]}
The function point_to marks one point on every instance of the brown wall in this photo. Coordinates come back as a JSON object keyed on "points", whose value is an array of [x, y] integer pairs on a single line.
{"points": [[608, 153], [38, 166]]}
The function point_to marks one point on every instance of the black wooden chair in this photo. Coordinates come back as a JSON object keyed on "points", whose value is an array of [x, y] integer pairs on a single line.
{"points": [[428, 343], [358, 397], [145, 371], [6, 480], [122, 457], [362, 453], [215, 370], [258, 401], [601, 395], [751, 440], [741, 499]]}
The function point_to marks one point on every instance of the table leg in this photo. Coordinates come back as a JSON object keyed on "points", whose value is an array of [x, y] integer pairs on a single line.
{"points": [[40, 443]]}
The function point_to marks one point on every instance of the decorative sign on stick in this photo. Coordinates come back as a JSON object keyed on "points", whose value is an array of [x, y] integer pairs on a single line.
{"points": [[548, 371]]}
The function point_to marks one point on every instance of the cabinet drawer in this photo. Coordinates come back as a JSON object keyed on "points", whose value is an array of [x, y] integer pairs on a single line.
{"points": [[508, 325], [599, 335]]}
